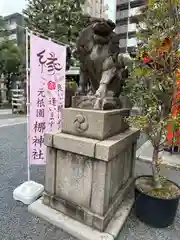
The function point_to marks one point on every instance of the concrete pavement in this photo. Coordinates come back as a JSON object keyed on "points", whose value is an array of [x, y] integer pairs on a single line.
{"points": [[15, 221], [9, 119], [144, 154]]}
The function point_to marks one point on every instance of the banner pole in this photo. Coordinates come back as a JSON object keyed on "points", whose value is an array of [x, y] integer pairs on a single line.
{"points": [[27, 103]]}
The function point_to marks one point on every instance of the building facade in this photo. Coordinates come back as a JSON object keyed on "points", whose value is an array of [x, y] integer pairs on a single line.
{"points": [[14, 32], [96, 8], [126, 12]]}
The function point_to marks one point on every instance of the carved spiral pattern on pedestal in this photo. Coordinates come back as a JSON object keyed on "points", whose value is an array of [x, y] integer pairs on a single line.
{"points": [[80, 123]]}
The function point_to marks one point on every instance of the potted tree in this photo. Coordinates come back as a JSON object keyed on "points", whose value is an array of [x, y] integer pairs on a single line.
{"points": [[153, 86]]}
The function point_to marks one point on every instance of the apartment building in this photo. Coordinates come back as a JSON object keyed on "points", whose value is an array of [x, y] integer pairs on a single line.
{"points": [[126, 12], [14, 32], [96, 8]]}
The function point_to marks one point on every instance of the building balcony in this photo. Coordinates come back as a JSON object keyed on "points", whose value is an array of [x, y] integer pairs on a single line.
{"points": [[131, 42], [124, 28], [119, 2], [124, 4], [122, 14], [134, 11], [128, 13], [132, 27], [122, 43], [121, 29], [123, 1]]}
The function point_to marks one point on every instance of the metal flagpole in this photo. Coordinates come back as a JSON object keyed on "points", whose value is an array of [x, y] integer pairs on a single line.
{"points": [[28, 191], [27, 102]]}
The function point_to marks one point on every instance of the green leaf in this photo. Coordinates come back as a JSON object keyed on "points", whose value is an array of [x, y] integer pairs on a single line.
{"points": [[59, 20], [151, 86]]}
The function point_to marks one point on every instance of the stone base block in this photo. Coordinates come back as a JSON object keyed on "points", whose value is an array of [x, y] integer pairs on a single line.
{"points": [[84, 214], [78, 229], [94, 124]]}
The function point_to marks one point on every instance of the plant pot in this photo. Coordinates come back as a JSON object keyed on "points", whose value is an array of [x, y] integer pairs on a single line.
{"points": [[155, 211]]}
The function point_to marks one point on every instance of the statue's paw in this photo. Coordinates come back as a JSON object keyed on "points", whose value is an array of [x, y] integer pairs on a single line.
{"points": [[98, 94], [101, 91], [97, 104]]}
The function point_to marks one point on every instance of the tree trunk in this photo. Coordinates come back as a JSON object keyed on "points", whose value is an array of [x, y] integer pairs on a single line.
{"points": [[155, 171]]}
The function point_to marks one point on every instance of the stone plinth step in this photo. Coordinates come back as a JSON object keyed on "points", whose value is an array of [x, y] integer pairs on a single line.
{"points": [[78, 229]]}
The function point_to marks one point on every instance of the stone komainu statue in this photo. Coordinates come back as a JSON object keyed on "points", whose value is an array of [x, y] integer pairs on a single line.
{"points": [[101, 66]]}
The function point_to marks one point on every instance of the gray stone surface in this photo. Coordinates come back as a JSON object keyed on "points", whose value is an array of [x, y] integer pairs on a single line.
{"points": [[75, 228], [17, 224], [86, 186], [91, 177], [101, 184], [75, 144], [48, 139], [103, 150], [84, 215], [100, 124], [111, 147], [50, 170], [78, 229], [74, 177]]}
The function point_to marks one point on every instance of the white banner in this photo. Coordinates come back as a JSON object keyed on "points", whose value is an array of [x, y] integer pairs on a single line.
{"points": [[47, 93]]}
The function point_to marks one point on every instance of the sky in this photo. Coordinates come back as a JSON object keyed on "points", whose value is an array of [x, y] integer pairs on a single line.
{"points": [[112, 9], [12, 6]]}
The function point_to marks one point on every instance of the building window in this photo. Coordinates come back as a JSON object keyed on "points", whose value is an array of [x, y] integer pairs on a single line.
{"points": [[122, 22], [122, 7], [137, 3], [122, 49], [132, 35], [130, 49], [133, 19], [122, 35]]}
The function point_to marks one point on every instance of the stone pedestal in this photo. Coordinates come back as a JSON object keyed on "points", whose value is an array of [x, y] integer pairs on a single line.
{"points": [[89, 169]]}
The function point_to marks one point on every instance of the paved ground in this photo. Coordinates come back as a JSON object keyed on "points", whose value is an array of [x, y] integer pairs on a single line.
{"points": [[7, 118], [144, 154], [17, 224]]}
